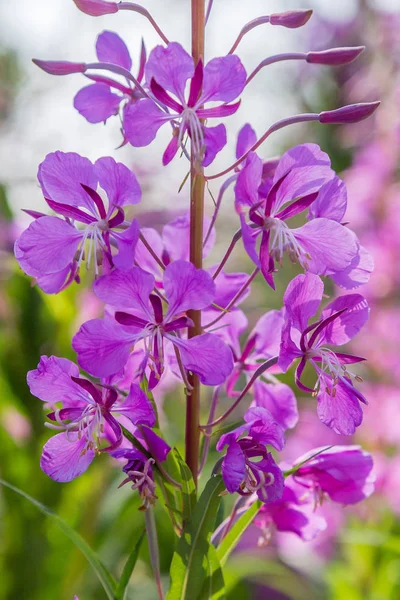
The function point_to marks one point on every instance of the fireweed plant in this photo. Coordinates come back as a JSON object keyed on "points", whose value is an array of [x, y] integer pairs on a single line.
{"points": [[166, 314]]}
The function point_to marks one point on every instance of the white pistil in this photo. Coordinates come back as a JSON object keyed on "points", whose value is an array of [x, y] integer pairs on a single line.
{"points": [[189, 117], [331, 366], [285, 240]]}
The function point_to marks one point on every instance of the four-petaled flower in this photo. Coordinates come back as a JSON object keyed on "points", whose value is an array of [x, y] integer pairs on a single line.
{"points": [[53, 248], [344, 473], [168, 70], [302, 180], [89, 416], [338, 399], [103, 345]]}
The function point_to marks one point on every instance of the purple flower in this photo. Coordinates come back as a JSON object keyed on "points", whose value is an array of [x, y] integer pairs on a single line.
{"points": [[338, 399], [302, 180], [104, 345], [168, 71], [52, 248], [88, 415], [262, 343], [172, 244], [247, 466], [97, 102], [344, 473], [290, 513], [139, 468]]}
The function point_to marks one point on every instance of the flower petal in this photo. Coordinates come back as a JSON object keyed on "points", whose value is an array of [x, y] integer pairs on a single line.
{"points": [[233, 467], [214, 140], [118, 182], [248, 182], [331, 246], [65, 458], [331, 202], [176, 237], [341, 412], [246, 139], [280, 400], [51, 381], [304, 155], [224, 79], [127, 291], [137, 407], [47, 246], [143, 257], [302, 299], [102, 346], [267, 333], [97, 103], [207, 356], [263, 428], [61, 175], [110, 48], [358, 272], [126, 241], [171, 67], [141, 122], [342, 329], [187, 287]]}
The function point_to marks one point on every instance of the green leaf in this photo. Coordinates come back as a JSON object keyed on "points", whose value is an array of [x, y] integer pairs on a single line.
{"points": [[190, 563], [103, 574], [128, 568], [188, 487], [235, 533], [214, 585]]}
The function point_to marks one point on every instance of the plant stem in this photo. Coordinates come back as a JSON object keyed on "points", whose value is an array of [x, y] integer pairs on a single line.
{"points": [[196, 255], [152, 540]]}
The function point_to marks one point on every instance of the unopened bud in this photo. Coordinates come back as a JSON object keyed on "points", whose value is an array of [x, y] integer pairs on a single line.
{"points": [[335, 56], [349, 114], [96, 8], [57, 67], [291, 19]]}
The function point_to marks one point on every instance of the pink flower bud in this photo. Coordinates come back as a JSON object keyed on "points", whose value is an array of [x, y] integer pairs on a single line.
{"points": [[58, 67], [349, 114], [335, 56], [96, 8], [291, 19]]}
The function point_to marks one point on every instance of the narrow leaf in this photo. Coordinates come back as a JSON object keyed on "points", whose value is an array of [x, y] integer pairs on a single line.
{"points": [[103, 574], [188, 487], [214, 585], [190, 563], [235, 533], [128, 568]]}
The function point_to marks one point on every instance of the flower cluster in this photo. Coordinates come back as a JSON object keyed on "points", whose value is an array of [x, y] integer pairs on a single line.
{"points": [[167, 316]]}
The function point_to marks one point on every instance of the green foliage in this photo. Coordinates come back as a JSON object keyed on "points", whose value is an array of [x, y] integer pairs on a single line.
{"points": [[190, 565], [105, 577], [123, 582], [233, 536]]}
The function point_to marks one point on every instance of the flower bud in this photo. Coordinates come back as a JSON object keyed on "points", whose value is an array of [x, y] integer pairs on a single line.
{"points": [[349, 114], [59, 67], [291, 19], [335, 56], [96, 8]]}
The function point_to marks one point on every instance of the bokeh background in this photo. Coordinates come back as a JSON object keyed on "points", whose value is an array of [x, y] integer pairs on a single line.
{"points": [[358, 557]]}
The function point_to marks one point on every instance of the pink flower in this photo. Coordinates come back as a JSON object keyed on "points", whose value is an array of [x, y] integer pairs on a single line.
{"points": [[168, 71]]}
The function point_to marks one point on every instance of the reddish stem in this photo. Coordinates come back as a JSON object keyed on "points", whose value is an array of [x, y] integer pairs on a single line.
{"points": [[192, 438]]}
